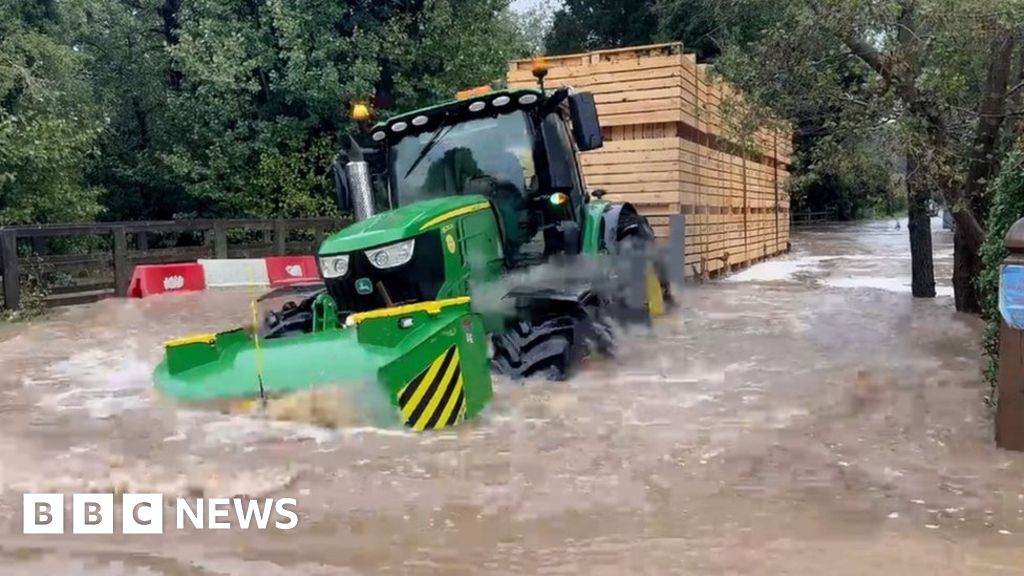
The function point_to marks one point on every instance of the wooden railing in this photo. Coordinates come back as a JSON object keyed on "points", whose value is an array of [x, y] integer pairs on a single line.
{"points": [[86, 262]]}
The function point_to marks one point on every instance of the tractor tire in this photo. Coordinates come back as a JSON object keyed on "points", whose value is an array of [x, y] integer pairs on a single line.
{"points": [[291, 320], [634, 236], [553, 347]]}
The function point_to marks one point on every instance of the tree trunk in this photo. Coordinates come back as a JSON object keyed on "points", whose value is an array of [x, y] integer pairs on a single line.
{"points": [[170, 11], [983, 164], [967, 268], [920, 229]]}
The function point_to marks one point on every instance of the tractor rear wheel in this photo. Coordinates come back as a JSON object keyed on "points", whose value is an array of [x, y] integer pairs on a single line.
{"points": [[635, 239], [552, 347]]}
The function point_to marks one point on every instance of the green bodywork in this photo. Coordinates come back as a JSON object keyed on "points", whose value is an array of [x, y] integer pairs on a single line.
{"points": [[472, 255], [593, 215]]}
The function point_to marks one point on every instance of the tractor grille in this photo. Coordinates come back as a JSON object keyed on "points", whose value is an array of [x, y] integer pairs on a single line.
{"points": [[418, 280]]}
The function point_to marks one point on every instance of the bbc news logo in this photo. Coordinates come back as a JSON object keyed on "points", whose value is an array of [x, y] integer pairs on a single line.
{"points": [[144, 513]]}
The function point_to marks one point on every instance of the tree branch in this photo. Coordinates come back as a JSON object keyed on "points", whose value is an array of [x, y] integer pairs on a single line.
{"points": [[1015, 89], [862, 49]]}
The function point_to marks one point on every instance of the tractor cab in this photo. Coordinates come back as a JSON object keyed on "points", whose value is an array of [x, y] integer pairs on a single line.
{"points": [[516, 148]]}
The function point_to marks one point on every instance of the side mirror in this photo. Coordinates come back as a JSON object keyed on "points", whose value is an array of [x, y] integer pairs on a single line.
{"points": [[558, 156], [586, 128]]}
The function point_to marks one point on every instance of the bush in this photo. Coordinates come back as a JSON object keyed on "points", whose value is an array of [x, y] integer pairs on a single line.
{"points": [[34, 290], [1007, 193]]}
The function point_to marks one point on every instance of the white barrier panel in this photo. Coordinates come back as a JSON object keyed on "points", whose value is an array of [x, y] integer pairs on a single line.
{"points": [[235, 272]]}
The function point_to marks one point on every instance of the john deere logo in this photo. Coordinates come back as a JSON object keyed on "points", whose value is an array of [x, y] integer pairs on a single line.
{"points": [[364, 286]]}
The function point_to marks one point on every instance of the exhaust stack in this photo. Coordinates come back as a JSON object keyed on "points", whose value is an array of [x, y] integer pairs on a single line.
{"points": [[362, 192], [358, 174]]}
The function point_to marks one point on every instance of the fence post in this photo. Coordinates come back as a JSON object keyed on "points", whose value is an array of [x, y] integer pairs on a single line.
{"points": [[220, 240], [280, 235], [12, 282], [122, 268]]}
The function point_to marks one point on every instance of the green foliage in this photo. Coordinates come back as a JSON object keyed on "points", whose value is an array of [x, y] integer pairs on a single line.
{"points": [[852, 172], [133, 109], [582, 25], [532, 26], [1007, 193], [48, 125], [34, 290]]}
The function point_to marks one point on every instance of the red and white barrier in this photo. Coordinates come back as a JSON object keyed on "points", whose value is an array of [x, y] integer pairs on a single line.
{"points": [[148, 280], [235, 272], [288, 270]]}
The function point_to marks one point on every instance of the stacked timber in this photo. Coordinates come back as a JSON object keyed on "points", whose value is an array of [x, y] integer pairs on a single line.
{"points": [[674, 145]]}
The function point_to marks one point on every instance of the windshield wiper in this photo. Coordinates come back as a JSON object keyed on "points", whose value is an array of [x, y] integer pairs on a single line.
{"points": [[439, 133]]}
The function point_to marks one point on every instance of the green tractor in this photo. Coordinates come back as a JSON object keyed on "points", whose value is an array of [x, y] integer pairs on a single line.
{"points": [[468, 254]]}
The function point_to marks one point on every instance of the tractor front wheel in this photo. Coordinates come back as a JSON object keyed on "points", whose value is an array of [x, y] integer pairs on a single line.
{"points": [[553, 347]]}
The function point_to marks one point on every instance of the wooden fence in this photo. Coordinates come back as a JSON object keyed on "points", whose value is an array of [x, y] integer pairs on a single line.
{"points": [[86, 262], [818, 217]]}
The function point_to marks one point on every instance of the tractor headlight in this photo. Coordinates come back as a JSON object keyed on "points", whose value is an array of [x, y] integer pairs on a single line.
{"points": [[391, 256], [334, 266]]}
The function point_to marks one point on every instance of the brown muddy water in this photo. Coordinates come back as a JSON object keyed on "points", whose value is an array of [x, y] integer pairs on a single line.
{"points": [[804, 416]]}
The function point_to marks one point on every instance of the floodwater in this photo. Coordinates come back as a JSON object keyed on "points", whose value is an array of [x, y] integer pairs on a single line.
{"points": [[803, 416]]}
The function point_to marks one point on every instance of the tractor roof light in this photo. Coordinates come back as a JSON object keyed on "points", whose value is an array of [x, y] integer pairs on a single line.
{"points": [[539, 67], [419, 120], [399, 127], [527, 99], [379, 135], [477, 106], [501, 101], [360, 112], [540, 70]]}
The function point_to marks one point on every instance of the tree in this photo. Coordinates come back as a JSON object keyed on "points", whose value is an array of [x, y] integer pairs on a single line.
{"points": [[234, 107], [1007, 193], [582, 25], [48, 124], [911, 64], [532, 26], [128, 46]]}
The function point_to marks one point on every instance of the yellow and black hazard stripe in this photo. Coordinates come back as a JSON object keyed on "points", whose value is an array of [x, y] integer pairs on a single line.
{"points": [[435, 398]]}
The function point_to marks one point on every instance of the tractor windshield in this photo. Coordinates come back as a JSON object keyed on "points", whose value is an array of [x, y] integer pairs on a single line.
{"points": [[492, 155]]}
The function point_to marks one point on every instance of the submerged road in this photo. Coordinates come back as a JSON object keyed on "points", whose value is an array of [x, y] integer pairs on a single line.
{"points": [[804, 416]]}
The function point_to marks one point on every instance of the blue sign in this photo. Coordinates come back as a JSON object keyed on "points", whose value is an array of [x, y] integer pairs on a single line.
{"points": [[1011, 295]]}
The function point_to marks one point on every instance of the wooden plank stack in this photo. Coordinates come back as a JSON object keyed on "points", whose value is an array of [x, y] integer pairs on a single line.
{"points": [[672, 147]]}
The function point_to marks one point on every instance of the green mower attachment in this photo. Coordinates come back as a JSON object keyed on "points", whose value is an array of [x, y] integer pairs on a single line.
{"points": [[421, 365]]}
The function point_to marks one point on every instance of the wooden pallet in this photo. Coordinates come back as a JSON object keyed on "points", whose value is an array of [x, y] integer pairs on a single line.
{"points": [[671, 147]]}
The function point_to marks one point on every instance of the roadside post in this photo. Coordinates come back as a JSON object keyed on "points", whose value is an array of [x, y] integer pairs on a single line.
{"points": [[1010, 403]]}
